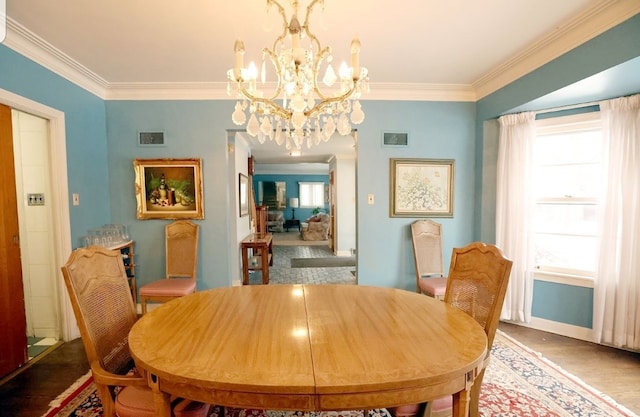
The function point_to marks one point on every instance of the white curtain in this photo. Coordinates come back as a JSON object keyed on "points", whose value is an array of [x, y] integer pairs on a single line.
{"points": [[616, 315], [514, 210]]}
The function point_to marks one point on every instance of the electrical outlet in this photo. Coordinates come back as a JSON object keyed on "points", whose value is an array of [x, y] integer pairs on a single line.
{"points": [[370, 199]]}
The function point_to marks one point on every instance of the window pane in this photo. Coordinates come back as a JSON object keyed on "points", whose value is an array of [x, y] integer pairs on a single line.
{"points": [[311, 194], [574, 147], [567, 185], [575, 253], [577, 180], [569, 219]]}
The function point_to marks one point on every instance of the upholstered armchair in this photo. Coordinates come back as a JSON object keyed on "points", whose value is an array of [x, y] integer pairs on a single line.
{"points": [[316, 227], [275, 221]]}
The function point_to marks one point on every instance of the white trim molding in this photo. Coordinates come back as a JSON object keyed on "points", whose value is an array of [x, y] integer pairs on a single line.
{"points": [[60, 191], [597, 19], [600, 17]]}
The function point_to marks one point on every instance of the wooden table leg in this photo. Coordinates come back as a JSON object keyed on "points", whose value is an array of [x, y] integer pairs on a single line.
{"points": [[245, 267], [461, 404], [161, 400], [265, 264]]}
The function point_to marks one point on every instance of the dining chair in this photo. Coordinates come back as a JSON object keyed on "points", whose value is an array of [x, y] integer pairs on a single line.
{"points": [[477, 284], [426, 237], [181, 254], [101, 299]]}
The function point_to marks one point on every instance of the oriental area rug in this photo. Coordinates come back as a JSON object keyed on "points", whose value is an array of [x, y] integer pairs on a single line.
{"points": [[517, 383]]}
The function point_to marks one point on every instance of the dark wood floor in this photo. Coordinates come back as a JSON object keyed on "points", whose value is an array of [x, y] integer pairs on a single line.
{"points": [[612, 371]]}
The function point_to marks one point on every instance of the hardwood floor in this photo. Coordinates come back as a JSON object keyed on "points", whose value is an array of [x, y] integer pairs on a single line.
{"points": [[28, 394], [612, 371]]}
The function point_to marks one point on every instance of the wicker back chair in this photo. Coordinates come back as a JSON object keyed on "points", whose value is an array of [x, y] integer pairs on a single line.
{"points": [[426, 238], [101, 299], [478, 278], [181, 254], [477, 284]]}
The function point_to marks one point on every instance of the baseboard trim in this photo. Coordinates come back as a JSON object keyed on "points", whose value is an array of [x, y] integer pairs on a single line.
{"points": [[562, 329]]}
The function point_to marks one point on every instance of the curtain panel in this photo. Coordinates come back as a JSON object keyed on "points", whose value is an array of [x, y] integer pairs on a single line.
{"points": [[514, 210], [616, 315]]}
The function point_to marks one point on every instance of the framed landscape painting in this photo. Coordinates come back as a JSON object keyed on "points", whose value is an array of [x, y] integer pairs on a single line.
{"points": [[168, 188], [421, 187]]}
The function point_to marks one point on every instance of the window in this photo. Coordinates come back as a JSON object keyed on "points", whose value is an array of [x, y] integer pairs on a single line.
{"points": [[311, 194], [567, 176]]}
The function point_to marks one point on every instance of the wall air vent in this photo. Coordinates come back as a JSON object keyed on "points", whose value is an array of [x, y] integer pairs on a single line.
{"points": [[151, 139]]}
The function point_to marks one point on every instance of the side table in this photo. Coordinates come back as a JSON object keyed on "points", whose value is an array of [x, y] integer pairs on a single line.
{"points": [[262, 246], [292, 223]]}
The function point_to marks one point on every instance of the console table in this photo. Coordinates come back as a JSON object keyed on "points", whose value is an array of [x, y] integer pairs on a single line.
{"points": [[262, 246], [292, 223]]}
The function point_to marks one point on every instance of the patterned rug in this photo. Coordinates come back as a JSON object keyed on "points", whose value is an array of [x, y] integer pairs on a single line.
{"points": [[517, 383]]}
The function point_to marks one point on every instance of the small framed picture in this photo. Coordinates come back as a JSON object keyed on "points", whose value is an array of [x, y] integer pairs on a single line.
{"points": [[421, 187], [395, 139], [168, 188], [243, 194]]}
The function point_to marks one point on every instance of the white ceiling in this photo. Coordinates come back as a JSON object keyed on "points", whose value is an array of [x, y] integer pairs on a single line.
{"points": [[458, 50]]}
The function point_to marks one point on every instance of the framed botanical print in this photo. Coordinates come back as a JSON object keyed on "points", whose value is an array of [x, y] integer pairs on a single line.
{"points": [[421, 187]]}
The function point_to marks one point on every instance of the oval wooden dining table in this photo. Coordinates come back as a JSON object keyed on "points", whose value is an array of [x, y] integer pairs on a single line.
{"points": [[308, 347]]}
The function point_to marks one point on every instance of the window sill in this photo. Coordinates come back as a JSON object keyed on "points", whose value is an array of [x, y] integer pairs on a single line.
{"points": [[558, 278]]}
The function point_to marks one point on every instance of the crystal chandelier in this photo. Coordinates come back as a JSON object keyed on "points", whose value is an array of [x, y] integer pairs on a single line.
{"points": [[297, 110]]}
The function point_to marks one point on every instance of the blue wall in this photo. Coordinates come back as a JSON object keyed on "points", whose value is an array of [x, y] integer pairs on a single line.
{"points": [[88, 169], [193, 129], [291, 184], [436, 131], [563, 303]]}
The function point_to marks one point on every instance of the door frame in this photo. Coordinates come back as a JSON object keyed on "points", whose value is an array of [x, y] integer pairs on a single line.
{"points": [[60, 199]]}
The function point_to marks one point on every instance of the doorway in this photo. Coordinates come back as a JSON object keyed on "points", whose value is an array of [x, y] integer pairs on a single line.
{"points": [[57, 245], [35, 218]]}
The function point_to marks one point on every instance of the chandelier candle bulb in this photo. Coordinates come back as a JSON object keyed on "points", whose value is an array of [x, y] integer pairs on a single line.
{"points": [[355, 57], [239, 49]]}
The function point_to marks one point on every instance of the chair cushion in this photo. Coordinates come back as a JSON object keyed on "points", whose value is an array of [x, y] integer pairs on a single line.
{"points": [[135, 401], [435, 287], [408, 410], [167, 287]]}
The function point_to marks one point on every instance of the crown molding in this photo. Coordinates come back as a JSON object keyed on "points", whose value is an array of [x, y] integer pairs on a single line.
{"points": [[218, 91], [420, 92], [600, 17], [28, 44], [594, 21]]}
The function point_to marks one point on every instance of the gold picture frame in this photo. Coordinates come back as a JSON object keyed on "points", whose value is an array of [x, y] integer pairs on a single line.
{"points": [[168, 188], [421, 187]]}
